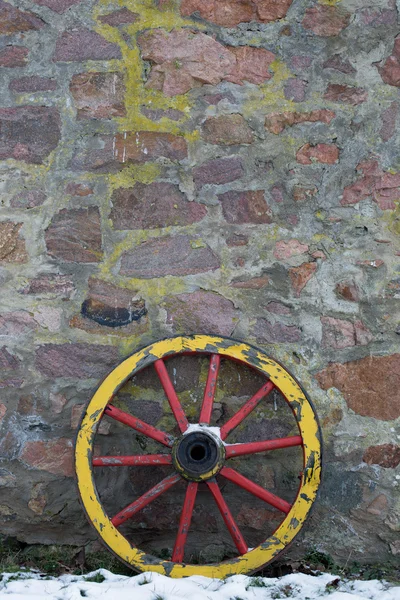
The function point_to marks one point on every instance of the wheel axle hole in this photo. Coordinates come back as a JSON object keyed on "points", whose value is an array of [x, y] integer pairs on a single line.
{"points": [[197, 452]]}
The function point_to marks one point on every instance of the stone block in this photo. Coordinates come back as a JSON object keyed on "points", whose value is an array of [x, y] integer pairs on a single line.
{"points": [[29, 133], [370, 386], [98, 95], [173, 255], [75, 236], [245, 207], [78, 45], [155, 205]]}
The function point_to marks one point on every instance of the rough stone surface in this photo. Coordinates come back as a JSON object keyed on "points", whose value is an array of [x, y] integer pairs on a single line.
{"points": [[328, 154], [82, 44], [33, 83], [389, 117], [276, 122], [168, 256], [154, 205], [325, 20], [245, 207], [295, 89], [13, 56], [386, 455], [370, 385], [390, 70], [266, 332], [75, 236], [57, 286], [218, 171], [230, 14], [75, 360], [123, 16], [201, 312], [98, 95], [58, 6], [338, 63], [382, 187], [227, 130], [29, 133], [284, 250], [112, 306], [13, 20], [184, 59], [12, 245], [301, 275], [348, 290], [55, 456], [338, 333], [347, 94]]}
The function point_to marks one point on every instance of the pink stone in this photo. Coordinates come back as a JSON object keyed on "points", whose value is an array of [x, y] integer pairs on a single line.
{"points": [[284, 250], [301, 275], [338, 63], [33, 83], [58, 6], [13, 56], [98, 95], [183, 59], [158, 204], [13, 20], [83, 44], [295, 89], [276, 122], [348, 94], [54, 456], [245, 207], [266, 332], [173, 255], [123, 16], [338, 333], [326, 20], [201, 311], [16, 323], [327, 154]]}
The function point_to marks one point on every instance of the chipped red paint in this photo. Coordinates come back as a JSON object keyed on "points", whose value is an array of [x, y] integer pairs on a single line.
{"points": [[233, 450], [144, 500], [256, 490], [171, 395], [132, 461], [140, 426], [184, 524], [246, 409], [227, 517], [209, 392]]}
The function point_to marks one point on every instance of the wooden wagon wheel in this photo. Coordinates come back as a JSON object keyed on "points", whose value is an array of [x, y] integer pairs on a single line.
{"points": [[199, 454]]}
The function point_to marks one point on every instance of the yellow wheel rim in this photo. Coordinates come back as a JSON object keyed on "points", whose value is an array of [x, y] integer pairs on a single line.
{"points": [[307, 422]]}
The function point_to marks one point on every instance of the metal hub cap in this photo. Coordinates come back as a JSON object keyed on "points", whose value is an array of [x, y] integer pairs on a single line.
{"points": [[198, 455]]}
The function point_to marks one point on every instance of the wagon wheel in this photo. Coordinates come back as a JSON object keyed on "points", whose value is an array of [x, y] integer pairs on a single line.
{"points": [[198, 454]]}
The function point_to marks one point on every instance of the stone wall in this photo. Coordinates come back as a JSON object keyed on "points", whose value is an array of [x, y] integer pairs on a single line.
{"points": [[220, 166]]}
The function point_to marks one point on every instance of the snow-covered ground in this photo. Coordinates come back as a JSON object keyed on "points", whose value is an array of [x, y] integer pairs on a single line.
{"points": [[151, 586]]}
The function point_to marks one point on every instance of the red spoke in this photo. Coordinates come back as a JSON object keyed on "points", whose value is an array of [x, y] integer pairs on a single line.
{"points": [[171, 395], [144, 500], [256, 490], [140, 426], [184, 524], [246, 409], [228, 518], [233, 450], [209, 392], [132, 461]]}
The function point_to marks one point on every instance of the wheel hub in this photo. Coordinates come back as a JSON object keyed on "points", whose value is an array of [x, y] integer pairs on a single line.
{"points": [[198, 455]]}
